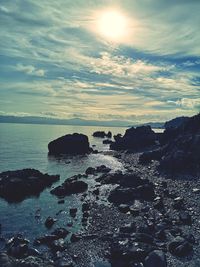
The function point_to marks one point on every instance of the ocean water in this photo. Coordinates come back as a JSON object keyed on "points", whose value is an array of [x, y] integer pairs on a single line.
{"points": [[25, 146]]}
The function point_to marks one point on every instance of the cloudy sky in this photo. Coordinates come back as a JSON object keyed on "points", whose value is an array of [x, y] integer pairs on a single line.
{"points": [[136, 60]]}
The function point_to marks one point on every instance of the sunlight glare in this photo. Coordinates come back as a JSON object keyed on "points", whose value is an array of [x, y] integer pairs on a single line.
{"points": [[112, 25]]}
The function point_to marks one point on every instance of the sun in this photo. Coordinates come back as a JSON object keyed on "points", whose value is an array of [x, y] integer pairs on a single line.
{"points": [[112, 25]]}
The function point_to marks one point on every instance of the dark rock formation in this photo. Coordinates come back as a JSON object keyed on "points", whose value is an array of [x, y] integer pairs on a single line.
{"points": [[107, 142], [134, 139], [70, 186], [175, 123], [70, 144], [102, 134], [180, 247], [130, 187], [155, 258], [179, 149], [15, 186]]}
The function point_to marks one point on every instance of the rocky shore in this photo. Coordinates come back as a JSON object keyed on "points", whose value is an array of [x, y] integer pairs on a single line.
{"points": [[147, 215]]}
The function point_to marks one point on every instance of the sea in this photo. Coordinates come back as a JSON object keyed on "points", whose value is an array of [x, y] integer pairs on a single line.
{"points": [[26, 146]]}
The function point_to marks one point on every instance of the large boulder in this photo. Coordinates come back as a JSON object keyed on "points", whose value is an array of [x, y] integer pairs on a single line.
{"points": [[70, 144], [70, 186], [15, 186], [182, 153], [184, 127], [102, 134], [135, 138]]}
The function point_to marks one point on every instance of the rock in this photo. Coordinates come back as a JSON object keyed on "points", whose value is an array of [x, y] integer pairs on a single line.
{"points": [[182, 153], [143, 237], [126, 253], [123, 208], [85, 206], [180, 247], [107, 142], [185, 217], [17, 247], [147, 157], [74, 238], [73, 212], [155, 259], [196, 190], [102, 134], [59, 233], [70, 186], [123, 195], [103, 169], [58, 245], [5, 260], [178, 203], [15, 186], [128, 228], [90, 170], [70, 144], [62, 201], [134, 139], [50, 222]]}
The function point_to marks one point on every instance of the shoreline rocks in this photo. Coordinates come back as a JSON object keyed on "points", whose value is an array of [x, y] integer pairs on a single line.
{"points": [[134, 139], [73, 144], [15, 186], [102, 134], [70, 186]]}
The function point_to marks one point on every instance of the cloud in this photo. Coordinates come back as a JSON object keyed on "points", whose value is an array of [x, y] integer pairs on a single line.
{"points": [[63, 67], [30, 70]]}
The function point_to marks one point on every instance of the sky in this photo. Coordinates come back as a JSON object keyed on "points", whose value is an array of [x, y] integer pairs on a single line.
{"points": [[75, 59]]}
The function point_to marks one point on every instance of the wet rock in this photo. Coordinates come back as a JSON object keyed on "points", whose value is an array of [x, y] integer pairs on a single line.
{"points": [[155, 259], [134, 138], [123, 208], [103, 169], [180, 247], [50, 222], [17, 247], [58, 245], [107, 142], [62, 201], [73, 212], [96, 192], [59, 233], [5, 260], [70, 186], [121, 195], [90, 170], [70, 144], [15, 186], [74, 238], [85, 206], [102, 134]]}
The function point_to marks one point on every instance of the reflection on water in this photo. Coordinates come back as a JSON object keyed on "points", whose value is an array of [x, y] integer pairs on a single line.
{"points": [[25, 146]]}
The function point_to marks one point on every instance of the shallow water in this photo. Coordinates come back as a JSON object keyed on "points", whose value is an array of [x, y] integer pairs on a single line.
{"points": [[25, 146]]}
